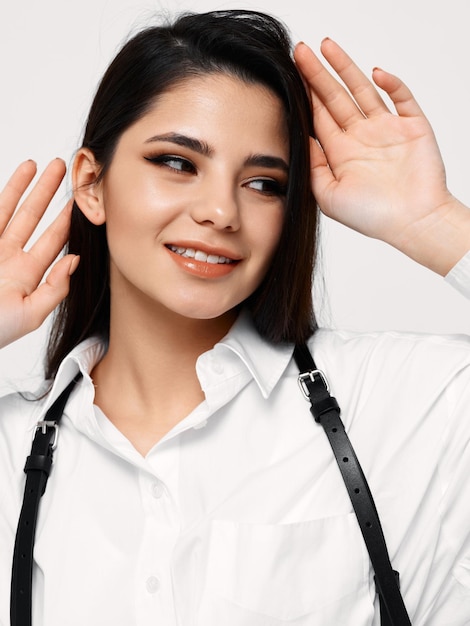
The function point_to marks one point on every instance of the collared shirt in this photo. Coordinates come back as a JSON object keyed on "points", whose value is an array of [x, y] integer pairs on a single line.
{"points": [[239, 516]]}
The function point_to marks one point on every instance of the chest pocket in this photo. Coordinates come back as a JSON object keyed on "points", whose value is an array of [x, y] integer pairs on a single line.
{"points": [[313, 573]]}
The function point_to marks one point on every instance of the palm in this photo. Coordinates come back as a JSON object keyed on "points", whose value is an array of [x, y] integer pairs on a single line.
{"points": [[24, 301], [376, 172]]}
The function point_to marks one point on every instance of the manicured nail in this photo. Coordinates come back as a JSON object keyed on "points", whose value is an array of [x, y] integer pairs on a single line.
{"points": [[74, 264]]}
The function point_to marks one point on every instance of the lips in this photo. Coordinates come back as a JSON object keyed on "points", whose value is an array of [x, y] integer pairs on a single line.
{"points": [[200, 255], [211, 263]]}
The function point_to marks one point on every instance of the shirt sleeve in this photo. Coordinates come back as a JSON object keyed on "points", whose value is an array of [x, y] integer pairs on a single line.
{"points": [[459, 276]]}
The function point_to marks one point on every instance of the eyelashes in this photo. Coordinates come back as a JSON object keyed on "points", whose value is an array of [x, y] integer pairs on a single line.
{"points": [[180, 165], [268, 186]]}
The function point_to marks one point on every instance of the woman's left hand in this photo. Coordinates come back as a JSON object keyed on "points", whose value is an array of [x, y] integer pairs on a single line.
{"points": [[378, 172]]}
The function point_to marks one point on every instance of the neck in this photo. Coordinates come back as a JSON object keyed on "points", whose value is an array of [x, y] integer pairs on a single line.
{"points": [[152, 355]]}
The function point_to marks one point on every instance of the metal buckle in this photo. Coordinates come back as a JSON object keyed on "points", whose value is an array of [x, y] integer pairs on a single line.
{"points": [[44, 425], [311, 376]]}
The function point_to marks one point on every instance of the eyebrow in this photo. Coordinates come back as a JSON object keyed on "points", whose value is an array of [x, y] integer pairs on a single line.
{"points": [[270, 162], [183, 140], [202, 147]]}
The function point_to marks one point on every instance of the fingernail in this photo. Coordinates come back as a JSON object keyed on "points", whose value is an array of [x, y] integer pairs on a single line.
{"points": [[74, 264], [326, 39]]}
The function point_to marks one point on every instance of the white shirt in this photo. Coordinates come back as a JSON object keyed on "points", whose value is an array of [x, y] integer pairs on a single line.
{"points": [[239, 516]]}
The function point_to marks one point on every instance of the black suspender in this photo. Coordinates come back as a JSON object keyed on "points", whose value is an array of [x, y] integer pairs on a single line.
{"points": [[37, 468], [324, 409]]}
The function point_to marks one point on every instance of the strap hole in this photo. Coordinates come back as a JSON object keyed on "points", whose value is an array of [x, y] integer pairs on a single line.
{"points": [[369, 524], [357, 490], [345, 459], [334, 430]]}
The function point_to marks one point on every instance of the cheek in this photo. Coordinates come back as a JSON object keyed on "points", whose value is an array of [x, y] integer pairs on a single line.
{"points": [[138, 207]]}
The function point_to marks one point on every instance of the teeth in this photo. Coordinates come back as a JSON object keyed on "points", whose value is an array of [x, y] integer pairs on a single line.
{"points": [[199, 255]]}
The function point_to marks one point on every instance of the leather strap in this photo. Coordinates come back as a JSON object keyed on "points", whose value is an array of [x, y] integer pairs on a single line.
{"points": [[326, 411], [37, 469]]}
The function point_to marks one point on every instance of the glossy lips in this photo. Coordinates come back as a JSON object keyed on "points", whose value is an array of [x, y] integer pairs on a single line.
{"points": [[200, 263], [199, 255]]}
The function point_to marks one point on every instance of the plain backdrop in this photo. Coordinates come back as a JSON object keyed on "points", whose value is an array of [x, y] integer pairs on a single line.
{"points": [[52, 55]]}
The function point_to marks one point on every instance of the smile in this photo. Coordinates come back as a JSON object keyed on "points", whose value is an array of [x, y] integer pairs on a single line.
{"points": [[199, 255]]}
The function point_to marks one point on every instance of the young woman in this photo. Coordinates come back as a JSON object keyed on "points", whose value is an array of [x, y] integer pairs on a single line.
{"points": [[190, 484]]}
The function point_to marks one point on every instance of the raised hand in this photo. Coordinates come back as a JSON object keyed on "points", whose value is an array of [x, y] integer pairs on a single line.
{"points": [[25, 301], [379, 172]]}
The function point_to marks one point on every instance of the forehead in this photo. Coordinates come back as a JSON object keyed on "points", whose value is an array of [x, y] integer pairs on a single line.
{"points": [[221, 107]]}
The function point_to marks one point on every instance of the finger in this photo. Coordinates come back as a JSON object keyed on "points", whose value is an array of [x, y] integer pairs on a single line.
{"points": [[333, 95], [346, 107], [14, 189], [322, 176], [400, 94], [323, 122], [33, 208], [51, 292], [361, 88], [53, 239], [325, 127]]}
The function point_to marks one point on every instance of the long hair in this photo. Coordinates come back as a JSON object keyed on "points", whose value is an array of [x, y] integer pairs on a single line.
{"points": [[249, 45]]}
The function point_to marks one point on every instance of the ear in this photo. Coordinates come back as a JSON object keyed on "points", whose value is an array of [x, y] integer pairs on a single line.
{"points": [[87, 193]]}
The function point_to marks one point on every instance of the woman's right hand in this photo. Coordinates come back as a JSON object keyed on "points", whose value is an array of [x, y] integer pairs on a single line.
{"points": [[25, 299]]}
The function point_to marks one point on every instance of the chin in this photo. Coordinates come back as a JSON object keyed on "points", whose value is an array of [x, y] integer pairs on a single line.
{"points": [[212, 315], [195, 312]]}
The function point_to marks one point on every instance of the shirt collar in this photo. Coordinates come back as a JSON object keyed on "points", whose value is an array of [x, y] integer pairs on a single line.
{"points": [[265, 361], [82, 358]]}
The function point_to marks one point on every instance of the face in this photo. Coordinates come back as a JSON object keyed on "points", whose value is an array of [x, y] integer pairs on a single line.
{"points": [[194, 198]]}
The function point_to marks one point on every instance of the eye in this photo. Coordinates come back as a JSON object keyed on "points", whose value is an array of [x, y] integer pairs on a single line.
{"points": [[173, 162], [268, 186]]}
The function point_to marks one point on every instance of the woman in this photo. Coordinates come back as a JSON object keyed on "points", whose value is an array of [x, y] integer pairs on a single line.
{"points": [[190, 484]]}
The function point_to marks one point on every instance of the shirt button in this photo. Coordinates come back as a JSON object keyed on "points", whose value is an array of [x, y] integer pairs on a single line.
{"points": [[152, 584], [156, 490]]}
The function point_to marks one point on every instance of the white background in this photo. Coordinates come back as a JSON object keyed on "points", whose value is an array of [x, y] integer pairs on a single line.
{"points": [[53, 52]]}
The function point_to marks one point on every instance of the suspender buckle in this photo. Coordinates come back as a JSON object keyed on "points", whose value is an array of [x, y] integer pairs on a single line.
{"points": [[43, 426], [310, 375]]}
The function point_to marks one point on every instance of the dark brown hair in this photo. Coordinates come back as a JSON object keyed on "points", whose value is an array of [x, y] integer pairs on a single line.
{"points": [[247, 44]]}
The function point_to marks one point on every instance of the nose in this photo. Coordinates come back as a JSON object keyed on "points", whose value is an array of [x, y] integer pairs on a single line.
{"points": [[217, 208]]}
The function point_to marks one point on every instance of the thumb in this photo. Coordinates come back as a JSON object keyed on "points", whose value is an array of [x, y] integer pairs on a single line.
{"points": [[51, 292]]}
